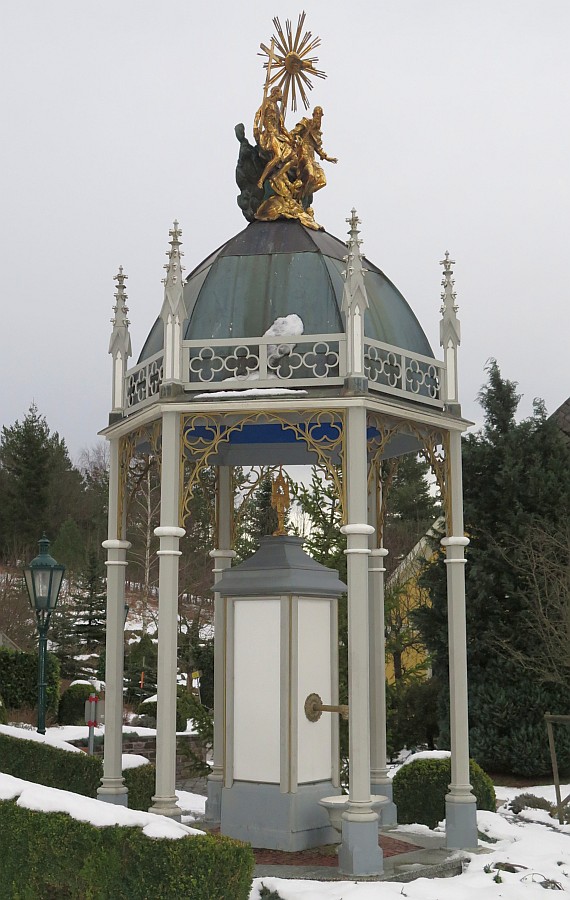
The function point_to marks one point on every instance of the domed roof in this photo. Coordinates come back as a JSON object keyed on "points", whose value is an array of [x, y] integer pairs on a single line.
{"points": [[273, 269]]}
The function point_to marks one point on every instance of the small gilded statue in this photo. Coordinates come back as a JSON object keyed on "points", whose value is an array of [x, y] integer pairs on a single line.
{"points": [[289, 172]]}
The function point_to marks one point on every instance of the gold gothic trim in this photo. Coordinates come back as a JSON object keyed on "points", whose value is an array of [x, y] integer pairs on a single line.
{"points": [[198, 448], [434, 449], [150, 434]]}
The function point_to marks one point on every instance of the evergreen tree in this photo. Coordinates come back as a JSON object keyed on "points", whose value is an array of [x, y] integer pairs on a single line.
{"points": [[39, 485], [411, 510], [141, 657], [516, 478], [91, 601], [78, 623], [255, 519]]}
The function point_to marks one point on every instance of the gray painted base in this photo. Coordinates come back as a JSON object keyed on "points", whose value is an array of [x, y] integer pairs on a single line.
{"points": [[213, 815], [116, 799], [359, 853], [388, 813], [460, 825], [262, 815]]}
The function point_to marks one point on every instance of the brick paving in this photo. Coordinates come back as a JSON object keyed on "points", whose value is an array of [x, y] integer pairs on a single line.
{"points": [[324, 856]]}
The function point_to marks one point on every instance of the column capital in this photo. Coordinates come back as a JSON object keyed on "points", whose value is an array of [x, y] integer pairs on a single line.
{"points": [[454, 541], [116, 545], [169, 531], [357, 528]]}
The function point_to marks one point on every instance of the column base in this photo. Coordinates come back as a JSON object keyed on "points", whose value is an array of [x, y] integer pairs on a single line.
{"points": [[359, 853], [460, 825], [213, 815], [262, 815], [113, 790], [388, 812], [166, 806]]}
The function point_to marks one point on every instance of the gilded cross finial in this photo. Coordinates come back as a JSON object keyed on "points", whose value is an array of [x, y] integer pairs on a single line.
{"points": [[280, 500]]}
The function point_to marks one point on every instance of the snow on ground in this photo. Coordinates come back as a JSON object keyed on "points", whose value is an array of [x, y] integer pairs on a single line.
{"points": [[193, 806], [532, 842], [85, 809], [537, 852]]}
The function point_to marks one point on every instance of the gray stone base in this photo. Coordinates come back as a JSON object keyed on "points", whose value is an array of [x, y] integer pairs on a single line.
{"points": [[118, 799], [262, 815], [460, 825], [213, 815], [388, 813], [359, 853]]}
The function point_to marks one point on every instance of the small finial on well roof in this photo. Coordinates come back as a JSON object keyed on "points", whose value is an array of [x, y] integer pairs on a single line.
{"points": [[449, 328]]}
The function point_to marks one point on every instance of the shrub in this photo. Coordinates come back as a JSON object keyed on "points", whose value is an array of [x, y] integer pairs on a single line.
{"points": [[19, 679], [72, 704], [62, 857], [141, 782], [77, 772], [530, 801], [3, 715], [420, 788], [149, 709]]}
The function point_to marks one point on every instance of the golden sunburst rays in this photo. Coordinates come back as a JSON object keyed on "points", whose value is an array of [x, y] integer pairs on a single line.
{"points": [[288, 62]]}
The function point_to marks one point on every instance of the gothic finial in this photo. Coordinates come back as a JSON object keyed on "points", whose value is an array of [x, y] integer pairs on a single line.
{"points": [[354, 300], [173, 282], [449, 329], [120, 308], [120, 343], [173, 311], [448, 294]]}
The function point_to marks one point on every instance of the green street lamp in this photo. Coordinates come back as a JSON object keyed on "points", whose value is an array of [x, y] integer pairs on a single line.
{"points": [[43, 580]]}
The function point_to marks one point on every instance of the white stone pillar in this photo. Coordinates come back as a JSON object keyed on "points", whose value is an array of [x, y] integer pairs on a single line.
{"points": [[112, 787], [460, 803], [380, 782], [222, 560], [359, 853], [164, 801]]}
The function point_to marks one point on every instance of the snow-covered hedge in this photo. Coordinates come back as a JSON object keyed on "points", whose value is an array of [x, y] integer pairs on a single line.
{"points": [[29, 756], [96, 851]]}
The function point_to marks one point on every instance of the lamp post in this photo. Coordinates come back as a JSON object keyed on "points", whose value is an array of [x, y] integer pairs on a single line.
{"points": [[43, 580]]}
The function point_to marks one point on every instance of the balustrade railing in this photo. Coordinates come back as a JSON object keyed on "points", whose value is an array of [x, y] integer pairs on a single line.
{"points": [[294, 361], [142, 382], [400, 372]]}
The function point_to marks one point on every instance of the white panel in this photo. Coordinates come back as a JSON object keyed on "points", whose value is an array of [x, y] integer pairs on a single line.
{"points": [[256, 691], [314, 678]]}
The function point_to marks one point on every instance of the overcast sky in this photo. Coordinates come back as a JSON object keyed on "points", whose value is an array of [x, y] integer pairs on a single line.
{"points": [[450, 119]]}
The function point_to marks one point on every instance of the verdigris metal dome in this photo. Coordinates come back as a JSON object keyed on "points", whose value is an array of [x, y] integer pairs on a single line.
{"points": [[274, 269]]}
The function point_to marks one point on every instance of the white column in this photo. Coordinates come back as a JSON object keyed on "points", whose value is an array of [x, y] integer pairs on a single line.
{"points": [[222, 560], [460, 803], [359, 853], [380, 782], [112, 787], [169, 533]]}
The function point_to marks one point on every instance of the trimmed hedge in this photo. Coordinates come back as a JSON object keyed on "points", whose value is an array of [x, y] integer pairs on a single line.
{"points": [[419, 790], [3, 714], [51, 855], [19, 679], [148, 708], [72, 704], [76, 772]]}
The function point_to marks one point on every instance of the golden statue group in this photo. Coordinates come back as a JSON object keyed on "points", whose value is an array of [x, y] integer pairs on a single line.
{"points": [[280, 174]]}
